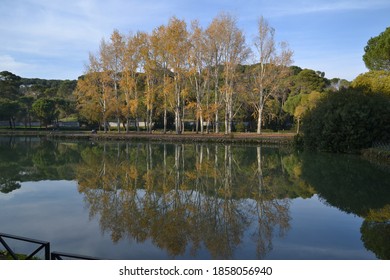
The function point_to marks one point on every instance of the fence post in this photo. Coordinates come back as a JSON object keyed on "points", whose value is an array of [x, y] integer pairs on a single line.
{"points": [[47, 251]]}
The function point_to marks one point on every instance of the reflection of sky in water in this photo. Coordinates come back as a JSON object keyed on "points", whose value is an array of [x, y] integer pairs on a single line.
{"points": [[54, 211], [319, 231]]}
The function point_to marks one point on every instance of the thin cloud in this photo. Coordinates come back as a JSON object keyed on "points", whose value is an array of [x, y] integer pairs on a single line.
{"points": [[43, 29], [8, 63], [294, 8], [57, 35]]}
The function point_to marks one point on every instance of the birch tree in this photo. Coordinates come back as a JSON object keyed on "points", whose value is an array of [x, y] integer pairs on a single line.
{"points": [[112, 54], [129, 82], [149, 65], [178, 50], [272, 67], [214, 44], [234, 53], [160, 41], [199, 72]]}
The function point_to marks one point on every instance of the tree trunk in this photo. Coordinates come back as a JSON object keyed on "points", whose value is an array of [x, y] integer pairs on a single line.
{"points": [[137, 123], [197, 124], [259, 119], [177, 120], [165, 120], [118, 121], [182, 116], [260, 111], [201, 123], [127, 124], [226, 119], [216, 120]]}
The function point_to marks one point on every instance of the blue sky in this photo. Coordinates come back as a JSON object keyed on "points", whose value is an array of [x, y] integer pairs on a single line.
{"points": [[51, 39]]}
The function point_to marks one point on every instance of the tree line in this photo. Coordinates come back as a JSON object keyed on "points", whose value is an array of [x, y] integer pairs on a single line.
{"points": [[55, 100], [175, 75], [183, 76], [183, 72], [357, 118], [26, 100]]}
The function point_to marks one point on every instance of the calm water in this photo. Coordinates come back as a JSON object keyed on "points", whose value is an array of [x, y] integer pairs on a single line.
{"points": [[193, 201]]}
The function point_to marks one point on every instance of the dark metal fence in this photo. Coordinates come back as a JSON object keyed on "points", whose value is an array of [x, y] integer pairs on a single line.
{"points": [[43, 245], [67, 256]]}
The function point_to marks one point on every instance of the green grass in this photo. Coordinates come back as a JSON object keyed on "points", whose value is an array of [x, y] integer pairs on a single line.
{"points": [[4, 255]]}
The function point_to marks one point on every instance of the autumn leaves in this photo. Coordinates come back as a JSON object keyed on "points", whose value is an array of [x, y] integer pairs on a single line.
{"points": [[179, 73]]}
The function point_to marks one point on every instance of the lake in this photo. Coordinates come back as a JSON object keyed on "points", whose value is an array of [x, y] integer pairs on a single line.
{"points": [[126, 200]]}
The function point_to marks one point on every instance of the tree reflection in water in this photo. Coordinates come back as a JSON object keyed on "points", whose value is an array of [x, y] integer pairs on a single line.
{"points": [[354, 186], [188, 198], [185, 197]]}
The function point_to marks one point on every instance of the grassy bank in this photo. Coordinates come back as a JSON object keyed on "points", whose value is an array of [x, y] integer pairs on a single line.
{"points": [[267, 138], [4, 255]]}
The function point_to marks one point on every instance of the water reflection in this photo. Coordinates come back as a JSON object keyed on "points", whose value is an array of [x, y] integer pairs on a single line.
{"points": [[185, 197], [188, 198], [375, 236], [33, 159], [357, 187]]}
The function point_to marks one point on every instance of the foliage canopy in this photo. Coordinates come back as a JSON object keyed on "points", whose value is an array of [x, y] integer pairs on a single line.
{"points": [[377, 52], [43, 108], [348, 121], [374, 81]]}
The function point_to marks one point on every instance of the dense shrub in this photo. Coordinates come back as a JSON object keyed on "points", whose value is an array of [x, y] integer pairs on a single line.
{"points": [[348, 121]]}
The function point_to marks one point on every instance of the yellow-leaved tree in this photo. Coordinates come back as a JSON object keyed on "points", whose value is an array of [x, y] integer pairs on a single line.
{"points": [[272, 68]]}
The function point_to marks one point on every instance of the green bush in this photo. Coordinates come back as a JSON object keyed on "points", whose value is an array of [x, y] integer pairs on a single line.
{"points": [[347, 121], [240, 127], [298, 141]]}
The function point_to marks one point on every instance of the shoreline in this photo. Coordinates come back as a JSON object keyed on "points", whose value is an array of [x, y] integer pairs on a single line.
{"points": [[377, 156], [264, 138]]}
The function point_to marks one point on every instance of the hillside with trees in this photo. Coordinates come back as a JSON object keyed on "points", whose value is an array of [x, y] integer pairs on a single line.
{"points": [[20, 99], [182, 76], [19, 96]]}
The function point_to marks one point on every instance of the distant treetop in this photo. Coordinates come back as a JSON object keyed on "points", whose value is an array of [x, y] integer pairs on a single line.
{"points": [[377, 52]]}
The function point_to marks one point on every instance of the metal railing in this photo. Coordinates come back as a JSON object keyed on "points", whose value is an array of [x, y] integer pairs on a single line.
{"points": [[43, 245], [67, 256]]}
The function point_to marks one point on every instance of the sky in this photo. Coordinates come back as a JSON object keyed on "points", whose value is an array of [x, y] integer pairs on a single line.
{"points": [[51, 39]]}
